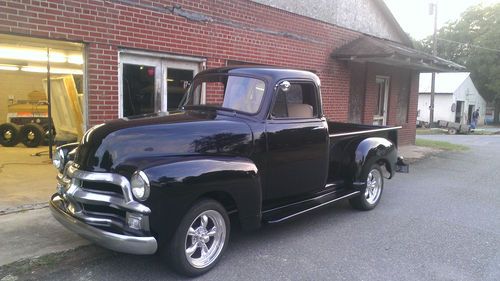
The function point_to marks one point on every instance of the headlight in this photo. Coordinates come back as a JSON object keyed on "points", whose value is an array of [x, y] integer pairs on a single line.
{"points": [[140, 185], [58, 159]]}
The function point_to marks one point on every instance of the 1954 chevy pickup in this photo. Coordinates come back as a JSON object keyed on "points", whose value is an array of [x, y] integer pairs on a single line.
{"points": [[263, 152]]}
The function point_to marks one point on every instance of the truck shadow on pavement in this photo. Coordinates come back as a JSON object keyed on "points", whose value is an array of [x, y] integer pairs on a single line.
{"points": [[96, 263]]}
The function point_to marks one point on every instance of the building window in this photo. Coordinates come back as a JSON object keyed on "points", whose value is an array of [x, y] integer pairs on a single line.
{"points": [[154, 82]]}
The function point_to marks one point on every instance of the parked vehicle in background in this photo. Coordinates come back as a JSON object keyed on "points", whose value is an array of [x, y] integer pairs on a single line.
{"points": [[27, 122], [259, 150]]}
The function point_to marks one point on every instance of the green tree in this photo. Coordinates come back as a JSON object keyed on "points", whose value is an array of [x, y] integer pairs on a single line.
{"points": [[474, 41]]}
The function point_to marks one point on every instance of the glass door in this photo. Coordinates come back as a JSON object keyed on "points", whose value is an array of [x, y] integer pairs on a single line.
{"points": [[140, 85], [380, 115]]}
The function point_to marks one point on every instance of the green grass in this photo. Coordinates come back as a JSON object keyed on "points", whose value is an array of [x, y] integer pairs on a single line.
{"points": [[441, 145], [481, 132], [427, 131], [441, 131]]}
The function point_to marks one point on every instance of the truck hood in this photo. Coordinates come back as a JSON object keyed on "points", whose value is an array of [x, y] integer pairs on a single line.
{"points": [[185, 133]]}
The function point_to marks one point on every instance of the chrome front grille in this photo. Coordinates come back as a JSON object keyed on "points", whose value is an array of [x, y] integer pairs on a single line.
{"points": [[102, 187], [99, 199], [98, 210]]}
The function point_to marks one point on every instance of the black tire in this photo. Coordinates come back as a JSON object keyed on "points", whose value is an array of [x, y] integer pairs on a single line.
{"points": [[371, 193], [9, 134], [32, 135], [176, 251]]}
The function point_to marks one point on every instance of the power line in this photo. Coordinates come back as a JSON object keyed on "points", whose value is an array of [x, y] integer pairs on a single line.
{"points": [[472, 45]]}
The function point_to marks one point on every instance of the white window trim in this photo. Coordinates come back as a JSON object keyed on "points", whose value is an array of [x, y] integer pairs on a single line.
{"points": [[162, 55]]}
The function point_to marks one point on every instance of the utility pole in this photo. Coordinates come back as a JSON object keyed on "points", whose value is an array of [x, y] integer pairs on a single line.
{"points": [[433, 10]]}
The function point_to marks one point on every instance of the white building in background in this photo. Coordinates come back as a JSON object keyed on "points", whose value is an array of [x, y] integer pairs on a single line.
{"points": [[455, 99]]}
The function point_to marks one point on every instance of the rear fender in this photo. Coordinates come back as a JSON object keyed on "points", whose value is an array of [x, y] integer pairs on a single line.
{"points": [[370, 151], [175, 186]]}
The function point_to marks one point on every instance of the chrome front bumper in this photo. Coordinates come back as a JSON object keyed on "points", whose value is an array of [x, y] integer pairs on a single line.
{"points": [[113, 241], [101, 208]]}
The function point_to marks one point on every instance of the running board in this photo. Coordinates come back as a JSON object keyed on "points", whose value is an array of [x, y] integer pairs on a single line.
{"points": [[289, 211]]}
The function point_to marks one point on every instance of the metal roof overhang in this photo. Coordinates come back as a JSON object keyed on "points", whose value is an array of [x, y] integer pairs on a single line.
{"points": [[381, 51]]}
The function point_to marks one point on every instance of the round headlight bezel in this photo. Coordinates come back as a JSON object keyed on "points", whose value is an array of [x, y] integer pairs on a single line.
{"points": [[58, 160], [139, 184]]}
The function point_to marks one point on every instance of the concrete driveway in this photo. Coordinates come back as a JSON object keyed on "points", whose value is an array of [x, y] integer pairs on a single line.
{"points": [[26, 181], [440, 222]]}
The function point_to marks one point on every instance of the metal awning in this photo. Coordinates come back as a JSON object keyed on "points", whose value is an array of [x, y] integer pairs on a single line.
{"points": [[377, 50]]}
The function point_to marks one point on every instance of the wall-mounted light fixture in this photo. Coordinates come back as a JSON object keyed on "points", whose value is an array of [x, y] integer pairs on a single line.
{"points": [[9, 67], [39, 54], [53, 70]]}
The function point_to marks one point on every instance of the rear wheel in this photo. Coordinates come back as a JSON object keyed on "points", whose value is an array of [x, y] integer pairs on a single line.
{"points": [[32, 135], [372, 191], [9, 134], [200, 239]]}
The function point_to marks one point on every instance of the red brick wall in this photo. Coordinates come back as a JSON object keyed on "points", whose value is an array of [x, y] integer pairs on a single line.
{"points": [[240, 30]]}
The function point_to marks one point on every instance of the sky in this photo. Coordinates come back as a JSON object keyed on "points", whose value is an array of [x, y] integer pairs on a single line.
{"points": [[414, 18]]}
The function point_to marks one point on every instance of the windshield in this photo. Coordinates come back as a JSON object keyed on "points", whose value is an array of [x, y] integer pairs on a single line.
{"points": [[227, 92]]}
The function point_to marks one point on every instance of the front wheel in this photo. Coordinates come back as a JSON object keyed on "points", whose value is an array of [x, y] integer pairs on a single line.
{"points": [[200, 239], [372, 191]]}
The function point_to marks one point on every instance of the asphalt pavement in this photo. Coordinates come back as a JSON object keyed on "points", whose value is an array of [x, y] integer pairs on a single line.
{"points": [[440, 222]]}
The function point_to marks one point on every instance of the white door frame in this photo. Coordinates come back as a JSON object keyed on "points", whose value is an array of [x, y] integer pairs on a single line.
{"points": [[382, 118]]}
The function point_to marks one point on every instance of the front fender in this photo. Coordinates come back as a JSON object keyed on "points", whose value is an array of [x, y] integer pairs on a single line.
{"points": [[177, 183], [373, 150]]}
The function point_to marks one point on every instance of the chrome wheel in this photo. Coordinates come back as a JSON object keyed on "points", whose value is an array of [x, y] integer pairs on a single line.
{"points": [[7, 135], [205, 239], [30, 136], [373, 189]]}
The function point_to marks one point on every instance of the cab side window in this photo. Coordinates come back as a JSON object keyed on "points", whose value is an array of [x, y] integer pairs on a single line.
{"points": [[299, 100]]}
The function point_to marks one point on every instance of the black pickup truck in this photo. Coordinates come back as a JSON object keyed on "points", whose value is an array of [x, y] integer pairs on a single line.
{"points": [[248, 143]]}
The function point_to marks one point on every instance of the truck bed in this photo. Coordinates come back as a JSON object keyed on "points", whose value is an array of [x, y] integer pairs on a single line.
{"points": [[338, 129], [341, 136]]}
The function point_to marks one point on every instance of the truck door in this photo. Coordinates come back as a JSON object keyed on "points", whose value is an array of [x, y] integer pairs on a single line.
{"points": [[297, 141]]}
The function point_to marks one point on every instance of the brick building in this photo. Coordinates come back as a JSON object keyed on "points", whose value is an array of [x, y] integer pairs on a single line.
{"points": [[115, 58]]}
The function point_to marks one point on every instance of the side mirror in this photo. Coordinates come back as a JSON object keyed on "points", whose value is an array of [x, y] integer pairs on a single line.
{"points": [[284, 86]]}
